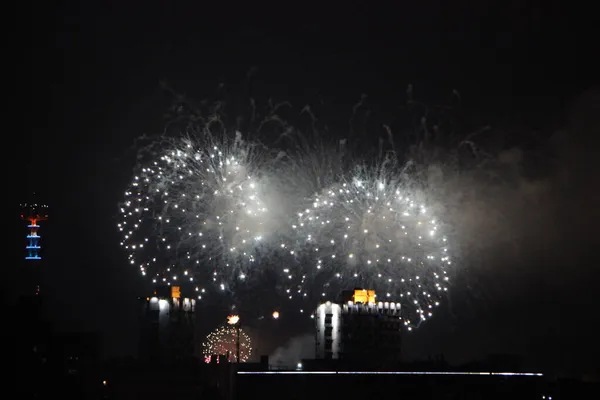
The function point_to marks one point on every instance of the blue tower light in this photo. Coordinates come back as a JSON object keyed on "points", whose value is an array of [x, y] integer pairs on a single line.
{"points": [[33, 213]]}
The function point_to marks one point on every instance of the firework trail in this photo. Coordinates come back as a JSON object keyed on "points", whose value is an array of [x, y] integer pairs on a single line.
{"points": [[199, 212], [223, 341]]}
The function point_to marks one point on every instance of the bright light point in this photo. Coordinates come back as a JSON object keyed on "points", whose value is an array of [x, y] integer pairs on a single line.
{"points": [[275, 314]]}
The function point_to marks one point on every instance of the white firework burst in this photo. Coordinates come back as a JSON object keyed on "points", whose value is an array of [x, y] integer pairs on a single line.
{"points": [[376, 234], [198, 212]]}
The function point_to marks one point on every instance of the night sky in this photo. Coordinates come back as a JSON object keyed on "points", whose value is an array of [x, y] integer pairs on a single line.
{"points": [[96, 69]]}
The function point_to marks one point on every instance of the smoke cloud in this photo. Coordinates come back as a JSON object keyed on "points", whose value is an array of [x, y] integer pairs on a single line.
{"points": [[526, 228], [290, 354]]}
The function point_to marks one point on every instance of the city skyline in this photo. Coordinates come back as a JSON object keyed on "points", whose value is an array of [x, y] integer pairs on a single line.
{"points": [[100, 91]]}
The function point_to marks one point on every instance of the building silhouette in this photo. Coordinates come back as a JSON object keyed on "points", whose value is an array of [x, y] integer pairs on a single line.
{"points": [[167, 326], [359, 331]]}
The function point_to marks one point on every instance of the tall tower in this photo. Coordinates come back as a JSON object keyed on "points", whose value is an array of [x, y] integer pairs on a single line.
{"points": [[34, 213]]}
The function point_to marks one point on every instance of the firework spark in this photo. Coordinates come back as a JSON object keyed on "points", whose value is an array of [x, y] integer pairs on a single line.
{"points": [[223, 341]]}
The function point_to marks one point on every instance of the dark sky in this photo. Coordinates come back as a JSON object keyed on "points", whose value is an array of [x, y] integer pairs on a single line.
{"points": [[95, 73]]}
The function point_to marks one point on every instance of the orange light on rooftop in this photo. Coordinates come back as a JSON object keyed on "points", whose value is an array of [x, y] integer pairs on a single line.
{"points": [[364, 296]]}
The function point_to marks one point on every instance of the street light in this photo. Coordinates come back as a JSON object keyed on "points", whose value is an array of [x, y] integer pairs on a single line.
{"points": [[235, 321]]}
